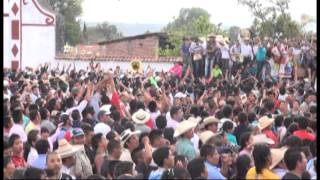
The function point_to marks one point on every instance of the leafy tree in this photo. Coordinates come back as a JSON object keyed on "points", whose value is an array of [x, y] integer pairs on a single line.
{"points": [[68, 13], [190, 22], [84, 38], [271, 18]]}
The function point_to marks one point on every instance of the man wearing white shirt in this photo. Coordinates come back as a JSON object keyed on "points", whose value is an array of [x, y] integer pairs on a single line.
{"points": [[175, 117], [104, 117], [17, 127], [246, 50]]}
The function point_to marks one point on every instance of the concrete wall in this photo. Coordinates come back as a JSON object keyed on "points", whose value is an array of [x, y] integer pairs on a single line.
{"points": [[80, 64], [144, 47]]}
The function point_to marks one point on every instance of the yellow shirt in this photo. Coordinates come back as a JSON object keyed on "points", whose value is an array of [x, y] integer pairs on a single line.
{"points": [[31, 126], [266, 174]]}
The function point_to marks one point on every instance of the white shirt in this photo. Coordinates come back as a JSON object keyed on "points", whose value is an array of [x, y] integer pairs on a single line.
{"points": [[195, 142], [125, 155], [154, 116], [224, 120], [170, 122], [33, 154], [19, 130], [225, 52], [68, 171], [80, 108]]}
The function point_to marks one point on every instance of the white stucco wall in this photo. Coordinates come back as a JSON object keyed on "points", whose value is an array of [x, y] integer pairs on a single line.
{"points": [[158, 66], [7, 42], [38, 45]]}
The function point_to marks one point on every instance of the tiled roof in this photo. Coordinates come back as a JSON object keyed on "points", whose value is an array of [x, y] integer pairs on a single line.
{"points": [[112, 58]]}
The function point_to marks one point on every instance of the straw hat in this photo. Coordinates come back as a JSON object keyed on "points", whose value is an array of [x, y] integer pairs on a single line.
{"points": [[126, 134], [140, 117], [205, 136], [264, 122], [262, 139], [212, 35], [209, 120], [195, 120], [183, 127], [65, 149], [63, 78], [277, 155]]}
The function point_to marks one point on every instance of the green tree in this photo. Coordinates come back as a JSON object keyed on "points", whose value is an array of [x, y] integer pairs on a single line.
{"points": [[68, 13], [84, 38], [108, 31], [271, 18], [190, 22]]}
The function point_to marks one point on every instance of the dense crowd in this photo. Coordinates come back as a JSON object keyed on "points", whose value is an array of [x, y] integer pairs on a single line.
{"points": [[226, 112]]}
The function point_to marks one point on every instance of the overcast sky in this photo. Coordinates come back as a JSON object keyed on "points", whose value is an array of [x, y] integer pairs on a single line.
{"points": [[229, 12]]}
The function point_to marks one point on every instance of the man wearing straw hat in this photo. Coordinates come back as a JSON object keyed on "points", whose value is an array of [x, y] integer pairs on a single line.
{"points": [[67, 153], [184, 133], [129, 141]]}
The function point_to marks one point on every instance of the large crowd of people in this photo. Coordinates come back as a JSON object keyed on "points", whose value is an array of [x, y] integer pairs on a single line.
{"points": [[242, 111]]}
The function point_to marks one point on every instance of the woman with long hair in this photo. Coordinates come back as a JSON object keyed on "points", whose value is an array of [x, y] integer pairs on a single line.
{"points": [[30, 153]]}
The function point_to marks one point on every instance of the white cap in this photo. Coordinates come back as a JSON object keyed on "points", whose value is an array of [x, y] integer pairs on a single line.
{"points": [[101, 128], [5, 83], [106, 108], [180, 95]]}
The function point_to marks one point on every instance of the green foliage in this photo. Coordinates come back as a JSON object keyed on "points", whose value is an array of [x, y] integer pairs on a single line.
{"points": [[69, 11], [233, 33], [190, 22], [103, 32], [272, 19]]}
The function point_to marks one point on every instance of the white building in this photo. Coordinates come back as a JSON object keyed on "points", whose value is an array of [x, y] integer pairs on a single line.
{"points": [[29, 34]]}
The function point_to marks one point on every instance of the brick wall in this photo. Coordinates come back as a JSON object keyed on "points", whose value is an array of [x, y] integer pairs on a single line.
{"points": [[144, 47]]}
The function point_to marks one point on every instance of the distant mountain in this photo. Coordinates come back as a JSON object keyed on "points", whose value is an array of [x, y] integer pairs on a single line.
{"points": [[133, 29]]}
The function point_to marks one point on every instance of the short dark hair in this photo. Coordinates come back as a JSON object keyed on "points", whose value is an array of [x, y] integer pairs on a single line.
{"points": [[260, 154], [152, 106], [43, 113], [168, 134], [33, 114], [75, 114], [42, 146], [244, 138], [108, 167], [181, 158], [227, 111], [161, 122], [242, 166], [291, 157], [176, 173], [174, 110], [33, 173], [227, 125], [17, 116], [196, 167], [313, 109], [154, 134], [269, 105], [96, 176], [303, 122], [287, 121], [136, 153], [87, 128], [242, 117], [207, 150], [278, 121], [282, 90], [113, 144], [44, 130], [160, 155], [123, 168], [12, 139], [95, 140]]}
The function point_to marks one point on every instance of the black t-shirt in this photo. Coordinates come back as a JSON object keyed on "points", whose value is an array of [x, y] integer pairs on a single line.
{"points": [[65, 176], [145, 169], [290, 175]]}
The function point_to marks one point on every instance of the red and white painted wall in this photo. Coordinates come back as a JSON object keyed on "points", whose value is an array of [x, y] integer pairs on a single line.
{"points": [[29, 34]]}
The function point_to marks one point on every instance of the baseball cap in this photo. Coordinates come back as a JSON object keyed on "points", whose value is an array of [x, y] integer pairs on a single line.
{"points": [[77, 132]]}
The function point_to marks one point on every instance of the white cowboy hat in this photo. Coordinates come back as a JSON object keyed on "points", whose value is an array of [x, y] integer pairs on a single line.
{"points": [[183, 127], [106, 108], [277, 155], [195, 120], [262, 139], [140, 117], [264, 122], [65, 149], [205, 136], [209, 120], [5, 83], [126, 134]]}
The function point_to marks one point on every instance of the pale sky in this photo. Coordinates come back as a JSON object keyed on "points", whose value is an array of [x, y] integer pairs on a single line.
{"points": [[229, 12]]}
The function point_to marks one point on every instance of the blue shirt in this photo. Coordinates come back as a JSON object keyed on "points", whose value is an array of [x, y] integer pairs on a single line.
{"points": [[213, 171], [261, 54], [185, 49], [156, 174], [185, 147], [40, 162]]}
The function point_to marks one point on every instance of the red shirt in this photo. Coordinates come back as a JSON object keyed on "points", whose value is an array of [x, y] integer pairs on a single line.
{"points": [[270, 134], [115, 100], [149, 123], [18, 161], [304, 134]]}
